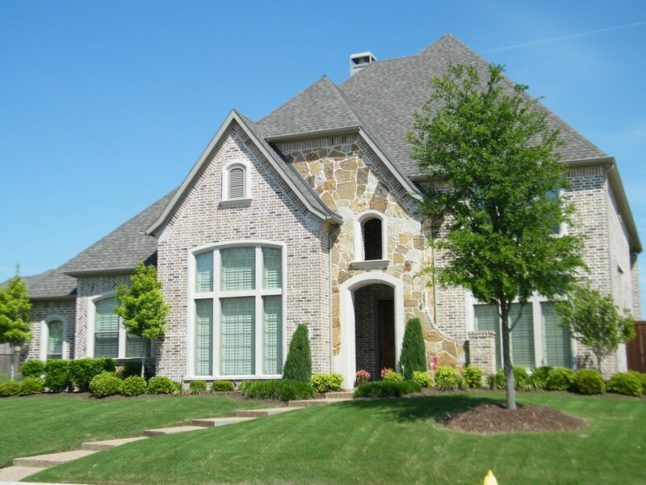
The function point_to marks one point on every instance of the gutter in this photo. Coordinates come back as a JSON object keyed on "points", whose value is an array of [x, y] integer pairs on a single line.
{"points": [[99, 272]]}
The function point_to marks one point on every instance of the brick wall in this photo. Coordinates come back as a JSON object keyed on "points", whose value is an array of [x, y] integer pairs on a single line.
{"points": [[41, 311]]}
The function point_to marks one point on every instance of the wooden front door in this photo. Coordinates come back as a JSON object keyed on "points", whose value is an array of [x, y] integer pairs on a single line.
{"points": [[636, 349], [386, 334]]}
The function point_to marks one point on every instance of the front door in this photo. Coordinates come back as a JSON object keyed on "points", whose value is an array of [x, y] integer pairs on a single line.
{"points": [[386, 334]]}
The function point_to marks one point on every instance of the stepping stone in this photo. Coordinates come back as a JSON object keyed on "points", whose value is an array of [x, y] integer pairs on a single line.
{"points": [[107, 444], [17, 473], [261, 413], [52, 459], [209, 422], [171, 430]]}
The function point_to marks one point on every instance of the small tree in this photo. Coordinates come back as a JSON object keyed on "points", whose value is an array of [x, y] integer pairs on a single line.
{"points": [[15, 328], [142, 307], [595, 321], [492, 168], [413, 355], [298, 365]]}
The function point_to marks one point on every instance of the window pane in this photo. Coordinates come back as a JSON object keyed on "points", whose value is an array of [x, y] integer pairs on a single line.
{"points": [[55, 340], [272, 335], [372, 248], [136, 346], [556, 339], [522, 337], [238, 269], [486, 318], [106, 332], [204, 272], [237, 338], [272, 264], [204, 337], [236, 183]]}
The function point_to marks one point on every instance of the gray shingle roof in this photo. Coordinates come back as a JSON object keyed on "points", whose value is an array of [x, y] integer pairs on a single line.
{"points": [[50, 284]]}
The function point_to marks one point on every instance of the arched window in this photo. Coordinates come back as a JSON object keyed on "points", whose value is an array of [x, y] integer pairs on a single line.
{"points": [[236, 184], [372, 243], [55, 337]]}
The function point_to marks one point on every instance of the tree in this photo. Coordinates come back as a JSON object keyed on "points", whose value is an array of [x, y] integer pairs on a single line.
{"points": [[490, 158], [298, 365], [142, 307], [595, 321], [15, 328], [413, 355]]}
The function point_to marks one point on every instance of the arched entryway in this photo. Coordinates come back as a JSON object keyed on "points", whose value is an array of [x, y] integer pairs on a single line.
{"points": [[372, 324]]}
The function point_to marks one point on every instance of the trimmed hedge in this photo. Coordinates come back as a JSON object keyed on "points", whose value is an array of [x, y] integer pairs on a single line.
{"points": [[82, 371], [642, 378], [389, 375], [134, 386], [625, 383], [9, 388], [282, 390], [163, 385], [327, 382], [32, 368], [423, 378], [222, 386], [447, 379], [57, 375], [472, 377], [559, 379], [105, 384], [589, 381], [387, 389], [31, 385], [195, 387], [538, 378]]}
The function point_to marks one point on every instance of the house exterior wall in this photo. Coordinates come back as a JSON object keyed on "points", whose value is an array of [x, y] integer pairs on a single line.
{"points": [[276, 215], [41, 312], [351, 179]]}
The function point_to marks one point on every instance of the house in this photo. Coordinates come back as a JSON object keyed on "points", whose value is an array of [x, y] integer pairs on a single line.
{"points": [[311, 215]]}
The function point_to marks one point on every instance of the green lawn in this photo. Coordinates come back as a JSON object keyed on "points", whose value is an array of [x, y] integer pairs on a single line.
{"points": [[386, 441], [43, 424]]}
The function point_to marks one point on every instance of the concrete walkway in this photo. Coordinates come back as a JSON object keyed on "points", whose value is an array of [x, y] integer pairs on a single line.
{"points": [[24, 467]]}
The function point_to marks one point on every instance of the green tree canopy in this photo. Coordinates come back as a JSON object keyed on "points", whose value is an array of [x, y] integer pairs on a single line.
{"points": [[595, 321], [15, 328], [492, 169]]}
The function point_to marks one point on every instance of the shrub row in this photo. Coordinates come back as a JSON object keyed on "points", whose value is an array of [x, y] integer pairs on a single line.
{"points": [[28, 386], [387, 388], [62, 375], [283, 390], [109, 384]]}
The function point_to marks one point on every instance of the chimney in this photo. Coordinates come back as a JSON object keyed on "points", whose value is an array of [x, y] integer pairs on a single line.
{"points": [[360, 60]]}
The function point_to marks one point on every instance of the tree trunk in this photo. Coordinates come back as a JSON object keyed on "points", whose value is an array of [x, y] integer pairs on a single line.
{"points": [[599, 360], [506, 356], [143, 358], [12, 362]]}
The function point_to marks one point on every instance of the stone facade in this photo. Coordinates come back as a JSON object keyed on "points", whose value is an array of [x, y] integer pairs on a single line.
{"points": [[274, 214]]}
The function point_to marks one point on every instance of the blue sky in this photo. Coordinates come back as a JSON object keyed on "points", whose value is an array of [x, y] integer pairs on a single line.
{"points": [[105, 106]]}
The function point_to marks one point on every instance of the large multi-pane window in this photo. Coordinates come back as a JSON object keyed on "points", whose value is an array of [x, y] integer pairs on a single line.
{"points": [[109, 334], [238, 308], [555, 342]]}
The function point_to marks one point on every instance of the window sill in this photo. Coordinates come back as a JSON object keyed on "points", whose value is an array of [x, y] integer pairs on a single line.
{"points": [[234, 203], [370, 265]]}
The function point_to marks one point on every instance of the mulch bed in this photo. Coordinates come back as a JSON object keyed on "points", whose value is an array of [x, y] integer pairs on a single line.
{"points": [[491, 418]]}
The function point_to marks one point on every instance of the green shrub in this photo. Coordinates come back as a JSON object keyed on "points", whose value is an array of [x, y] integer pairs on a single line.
{"points": [[32, 368], [9, 388], [162, 385], [413, 354], [447, 379], [105, 384], [472, 377], [133, 368], [222, 386], [327, 382], [57, 375], [387, 388], [642, 378], [538, 379], [589, 381], [559, 379], [625, 383], [31, 385], [298, 366], [423, 378], [497, 381], [390, 375], [521, 379], [195, 387], [134, 386], [282, 390], [82, 371]]}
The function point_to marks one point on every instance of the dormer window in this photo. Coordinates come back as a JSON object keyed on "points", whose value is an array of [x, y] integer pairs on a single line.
{"points": [[236, 184]]}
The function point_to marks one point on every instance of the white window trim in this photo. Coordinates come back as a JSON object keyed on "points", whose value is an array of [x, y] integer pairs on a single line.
{"points": [[357, 227], [259, 292], [246, 166], [44, 337], [534, 304], [121, 353]]}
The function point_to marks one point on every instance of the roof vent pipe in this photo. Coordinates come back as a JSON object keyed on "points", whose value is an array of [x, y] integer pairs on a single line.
{"points": [[360, 60]]}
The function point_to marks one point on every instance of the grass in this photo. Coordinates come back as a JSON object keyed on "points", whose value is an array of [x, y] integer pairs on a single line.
{"points": [[384, 441], [44, 424]]}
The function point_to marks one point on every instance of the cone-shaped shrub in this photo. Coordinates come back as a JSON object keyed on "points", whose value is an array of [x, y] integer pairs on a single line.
{"points": [[413, 356], [298, 366]]}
